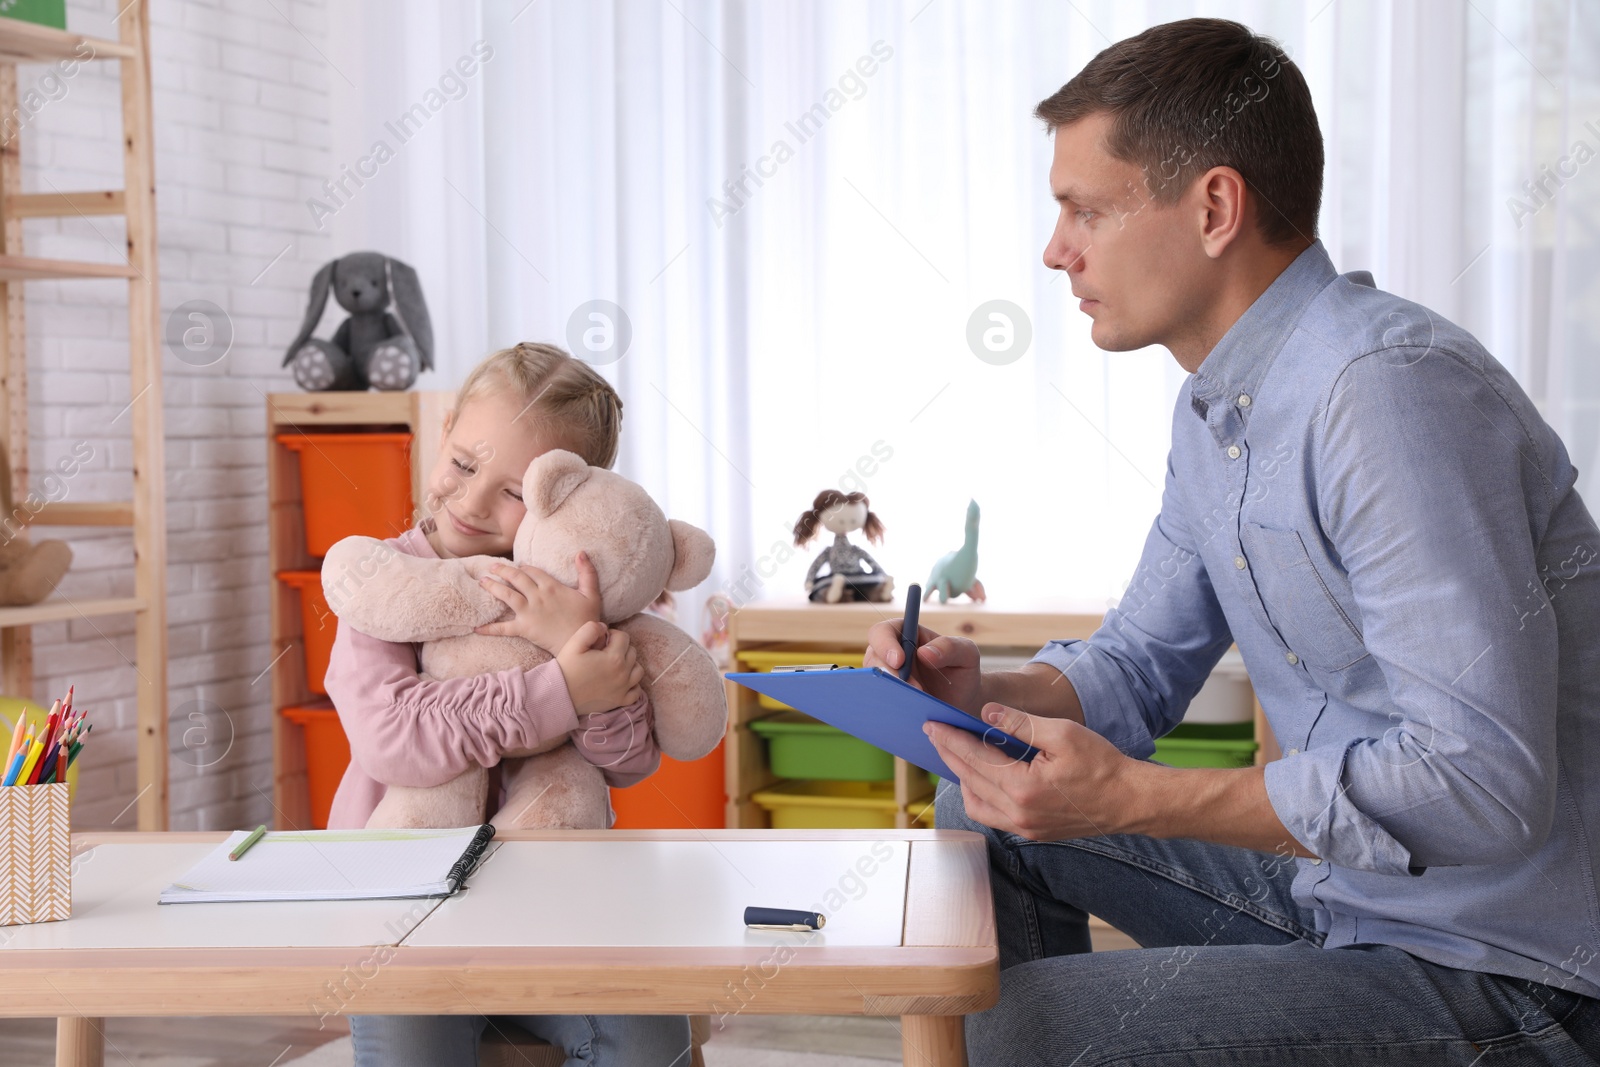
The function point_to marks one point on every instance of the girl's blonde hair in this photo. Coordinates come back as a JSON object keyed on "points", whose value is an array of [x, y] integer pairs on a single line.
{"points": [[567, 394]]}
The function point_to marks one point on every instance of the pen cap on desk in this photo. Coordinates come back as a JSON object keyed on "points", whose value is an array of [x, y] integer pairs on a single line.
{"points": [[35, 854]]}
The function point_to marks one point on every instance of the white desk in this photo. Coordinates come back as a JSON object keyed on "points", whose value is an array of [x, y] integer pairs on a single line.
{"points": [[684, 894], [114, 889], [604, 922]]}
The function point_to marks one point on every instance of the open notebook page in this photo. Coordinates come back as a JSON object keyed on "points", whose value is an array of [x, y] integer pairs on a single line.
{"points": [[333, 865]]}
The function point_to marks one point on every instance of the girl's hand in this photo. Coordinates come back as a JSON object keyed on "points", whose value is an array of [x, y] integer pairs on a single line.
{"points": [[546, 612], [601, 668]]}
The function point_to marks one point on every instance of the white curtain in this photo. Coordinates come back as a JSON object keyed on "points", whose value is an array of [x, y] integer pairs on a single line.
{"points": [[799, 206]]}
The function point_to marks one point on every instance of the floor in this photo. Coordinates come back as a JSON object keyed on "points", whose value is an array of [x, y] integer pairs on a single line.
{"points": [[276, 1042]]}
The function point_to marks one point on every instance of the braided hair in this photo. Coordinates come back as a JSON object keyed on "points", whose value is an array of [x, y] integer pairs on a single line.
{"points": [[567, 395]]}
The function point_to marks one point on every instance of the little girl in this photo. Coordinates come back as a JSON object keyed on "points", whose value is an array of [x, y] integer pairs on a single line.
{"points": [[412, 731]]}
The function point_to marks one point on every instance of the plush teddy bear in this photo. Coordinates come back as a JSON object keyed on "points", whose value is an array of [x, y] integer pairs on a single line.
{"points": [[637, 552], [29, 572], [373, 347]]}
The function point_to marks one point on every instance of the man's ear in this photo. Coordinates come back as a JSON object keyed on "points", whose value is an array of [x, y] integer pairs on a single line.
{"points": [[550, 479], [1224, 204]]}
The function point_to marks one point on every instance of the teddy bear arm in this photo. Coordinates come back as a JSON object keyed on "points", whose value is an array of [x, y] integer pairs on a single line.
{"points": [[395, 596], [685, 688]]}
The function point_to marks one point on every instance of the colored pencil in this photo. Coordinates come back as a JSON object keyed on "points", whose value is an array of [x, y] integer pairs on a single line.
{"points": [[16, 736], [77, 746], [52, 724], [41, 755], [244, 846], [35, 753], [47, 768], [14, 768]]}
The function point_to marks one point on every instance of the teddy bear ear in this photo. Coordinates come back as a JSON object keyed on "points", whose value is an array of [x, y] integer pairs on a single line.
{"points": [[693, 552], [551, 479]]}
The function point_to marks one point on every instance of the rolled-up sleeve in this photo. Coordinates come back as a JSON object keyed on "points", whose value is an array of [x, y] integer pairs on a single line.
{"points": [[621, 742], [1137, 673], [1435, 517]]}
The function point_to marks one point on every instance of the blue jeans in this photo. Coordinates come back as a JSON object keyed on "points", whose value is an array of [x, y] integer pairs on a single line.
{"points": [[1231, 971], [452, 1040]]}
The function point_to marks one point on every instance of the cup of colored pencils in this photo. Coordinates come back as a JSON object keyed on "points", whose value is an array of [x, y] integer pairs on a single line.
{"points": [[40, 757], [35, 823]]}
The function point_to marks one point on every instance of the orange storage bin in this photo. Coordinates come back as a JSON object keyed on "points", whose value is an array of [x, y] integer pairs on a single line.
{"points": [[327, 755], [317, 624], [352, 483], [679, 796]]}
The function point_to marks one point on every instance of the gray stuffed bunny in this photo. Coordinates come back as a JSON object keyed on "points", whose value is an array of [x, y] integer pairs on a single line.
{"points": [[372, 347]]}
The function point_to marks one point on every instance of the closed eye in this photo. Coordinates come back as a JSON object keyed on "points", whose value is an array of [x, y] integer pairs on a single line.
{"points": [[462, 467]]}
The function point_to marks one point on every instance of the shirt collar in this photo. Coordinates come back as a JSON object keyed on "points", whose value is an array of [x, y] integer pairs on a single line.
{"points": [[1240, 360]]}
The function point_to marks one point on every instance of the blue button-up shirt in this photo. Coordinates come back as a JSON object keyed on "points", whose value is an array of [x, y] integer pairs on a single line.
{"points": [[1368, 504]]}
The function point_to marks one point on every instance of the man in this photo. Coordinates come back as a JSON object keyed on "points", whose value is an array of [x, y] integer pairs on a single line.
{"points": [[1366, 503]]}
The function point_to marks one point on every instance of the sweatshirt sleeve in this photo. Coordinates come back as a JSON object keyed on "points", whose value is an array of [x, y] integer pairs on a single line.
{"points": [[621, 742], [406, 730]]}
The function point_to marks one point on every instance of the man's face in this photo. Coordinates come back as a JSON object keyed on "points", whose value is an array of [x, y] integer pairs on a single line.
{"points": [[1137, 265]]}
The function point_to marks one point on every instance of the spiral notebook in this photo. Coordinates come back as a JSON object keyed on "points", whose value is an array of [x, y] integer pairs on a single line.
{"points": [[335, 865]]}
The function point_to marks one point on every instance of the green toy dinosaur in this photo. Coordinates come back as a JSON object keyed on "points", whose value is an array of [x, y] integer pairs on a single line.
{"points": [[957, 572]]}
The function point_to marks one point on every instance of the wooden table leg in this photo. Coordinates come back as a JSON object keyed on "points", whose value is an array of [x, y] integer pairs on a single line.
{"points": [[933, 1041], [80, 1042]]}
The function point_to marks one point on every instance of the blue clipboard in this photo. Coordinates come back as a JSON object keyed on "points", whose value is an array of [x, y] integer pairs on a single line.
{"points": [[880, 709]]}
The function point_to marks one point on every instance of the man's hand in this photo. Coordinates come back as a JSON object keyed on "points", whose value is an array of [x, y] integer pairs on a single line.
{"points": [[945, 667], [1078, 785], [601, 668], [546, 612]]}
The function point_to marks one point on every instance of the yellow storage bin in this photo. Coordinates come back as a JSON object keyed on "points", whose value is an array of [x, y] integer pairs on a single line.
{"points": [[765, 661], [829, 805]]}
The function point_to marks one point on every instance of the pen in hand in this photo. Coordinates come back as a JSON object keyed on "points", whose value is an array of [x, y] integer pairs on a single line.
{"points": [[909, 628]]}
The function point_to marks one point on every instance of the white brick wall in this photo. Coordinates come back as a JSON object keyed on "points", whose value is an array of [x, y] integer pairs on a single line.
{"points": [[241, 118]]}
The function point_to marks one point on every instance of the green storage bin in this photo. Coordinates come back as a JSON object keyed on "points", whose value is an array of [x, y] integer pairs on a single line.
{"points": [[1207, 744], [799, 746], [42, 12]]}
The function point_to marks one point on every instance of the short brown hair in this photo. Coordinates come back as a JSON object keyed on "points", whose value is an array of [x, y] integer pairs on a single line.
{"points": [[1200, 93], [566, 394]]}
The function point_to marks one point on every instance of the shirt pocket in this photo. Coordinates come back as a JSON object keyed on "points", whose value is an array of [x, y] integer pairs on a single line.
{"points": [[1297, 600]]}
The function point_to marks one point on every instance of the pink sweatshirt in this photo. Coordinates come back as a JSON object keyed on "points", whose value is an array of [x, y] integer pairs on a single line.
{"points": [[408, 730]]}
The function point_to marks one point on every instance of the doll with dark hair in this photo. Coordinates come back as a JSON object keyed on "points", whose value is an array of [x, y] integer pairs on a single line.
{"points": [[843, 572]]}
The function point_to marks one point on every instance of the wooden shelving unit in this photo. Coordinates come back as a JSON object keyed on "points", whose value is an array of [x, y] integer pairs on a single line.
{"points": [[143, 513], [421, 413]]}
